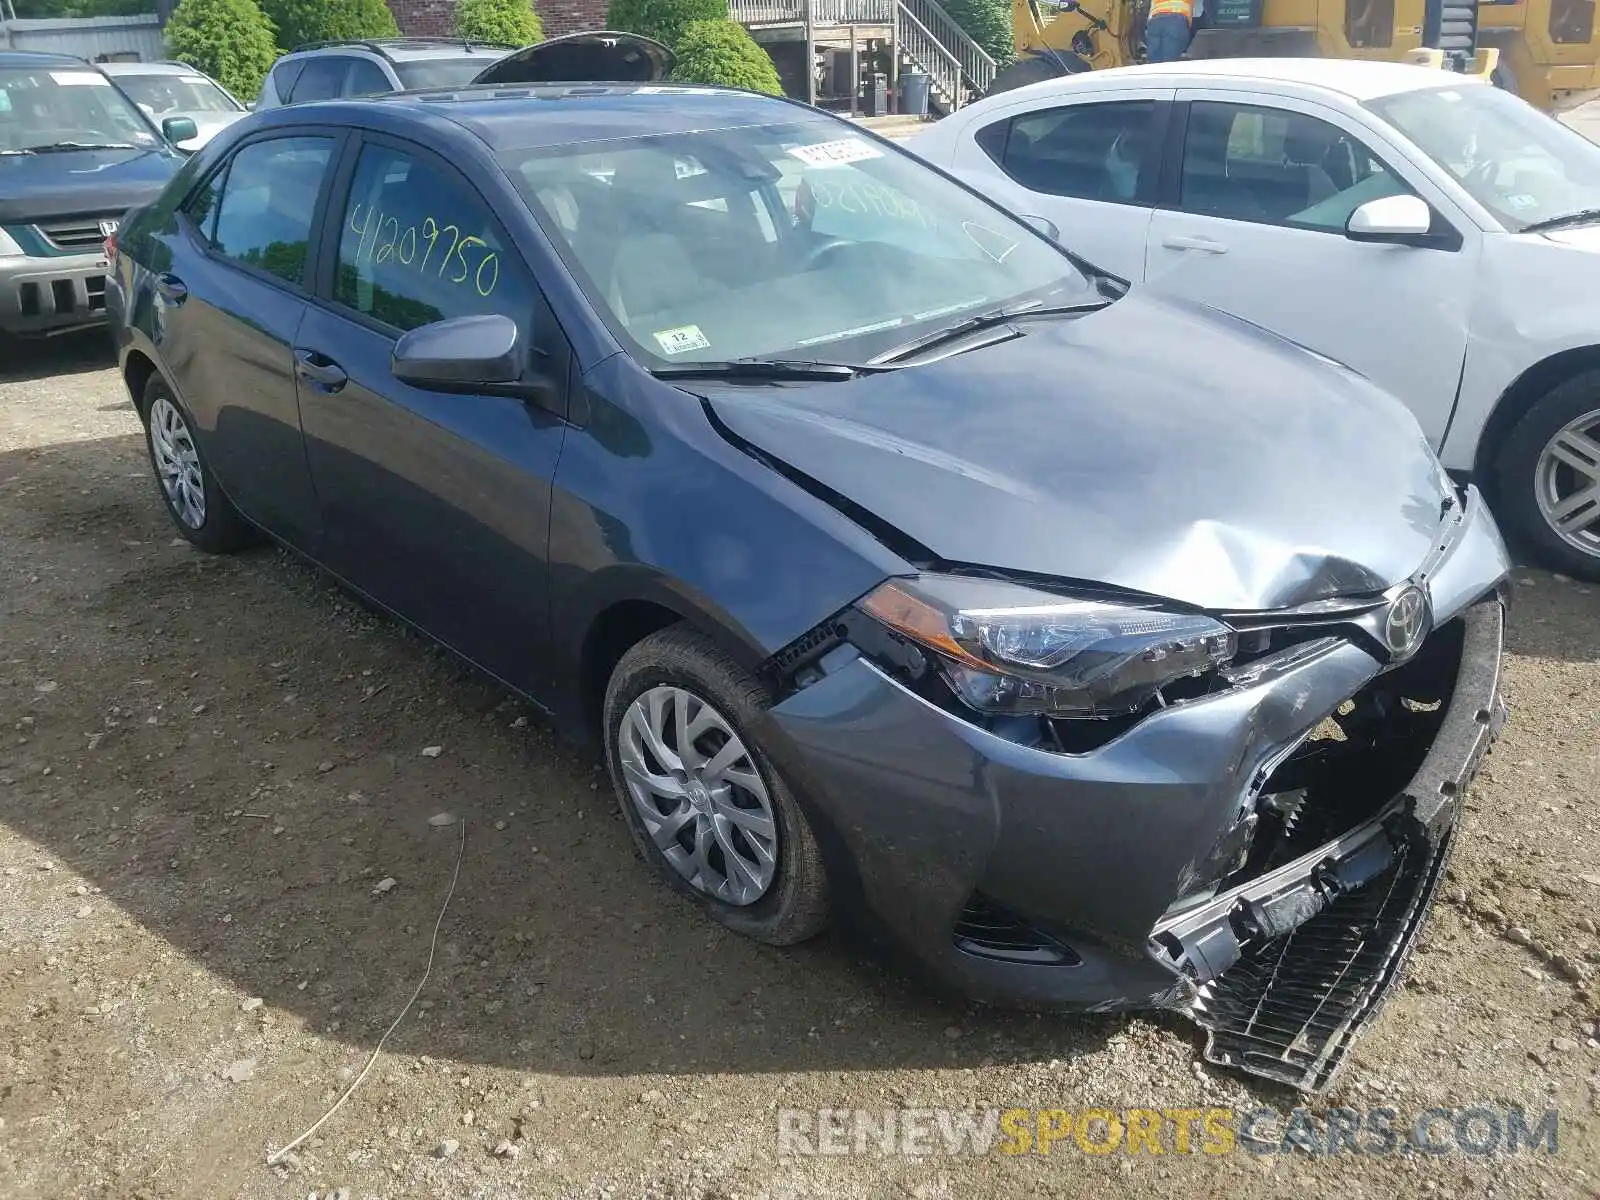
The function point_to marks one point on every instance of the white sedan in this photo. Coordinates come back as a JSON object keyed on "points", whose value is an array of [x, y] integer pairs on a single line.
{"points": [[1438, 235]]}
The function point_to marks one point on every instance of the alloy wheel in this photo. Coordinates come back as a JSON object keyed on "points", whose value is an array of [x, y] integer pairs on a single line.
{"points": [[696, 787], [1567, 483], [177, 463]]}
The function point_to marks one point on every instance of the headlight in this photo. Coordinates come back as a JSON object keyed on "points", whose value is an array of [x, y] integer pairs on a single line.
{"points": [[1010, 649], [8, 246]]}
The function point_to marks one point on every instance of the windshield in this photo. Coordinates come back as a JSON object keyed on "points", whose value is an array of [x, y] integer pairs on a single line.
{"points": [[168, 95], [798, 241], [49, 107], [1521, 165], [456, 71]]}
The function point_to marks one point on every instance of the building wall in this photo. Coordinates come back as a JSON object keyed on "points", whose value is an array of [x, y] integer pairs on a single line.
{"points": [[433, 18]]}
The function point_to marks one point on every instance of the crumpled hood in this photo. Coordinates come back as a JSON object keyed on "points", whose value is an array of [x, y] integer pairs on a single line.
{"points": [[1154, 446], [43, 187]]}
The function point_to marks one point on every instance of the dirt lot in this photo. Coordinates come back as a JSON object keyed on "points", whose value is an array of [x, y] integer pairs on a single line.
{"points": [[207, 765]]}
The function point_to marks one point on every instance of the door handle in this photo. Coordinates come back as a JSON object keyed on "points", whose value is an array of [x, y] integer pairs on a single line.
{"points": [[1183, 241], [319, 369], [171, 289]]}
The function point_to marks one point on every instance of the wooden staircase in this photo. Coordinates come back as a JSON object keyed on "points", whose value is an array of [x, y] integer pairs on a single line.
{"points": [[922, 35]]}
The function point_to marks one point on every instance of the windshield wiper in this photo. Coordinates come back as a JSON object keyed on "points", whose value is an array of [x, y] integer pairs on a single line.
{"points": [[1582, 216], [763, 368], [988, 320], [59, 147]]}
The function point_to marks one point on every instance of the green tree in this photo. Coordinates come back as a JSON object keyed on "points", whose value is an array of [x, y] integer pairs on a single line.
{"points": [[230, 40], [723, 53], [302, 21], [987, 22], [510, 21], [664, 20]]}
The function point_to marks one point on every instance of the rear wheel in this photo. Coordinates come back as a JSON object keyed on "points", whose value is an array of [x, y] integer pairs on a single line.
{"points": [[1548, 478], [195, 503], [706, 807]]}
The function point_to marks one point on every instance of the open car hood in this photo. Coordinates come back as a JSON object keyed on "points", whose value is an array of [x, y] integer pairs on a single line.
{"points": [[600, 56]]}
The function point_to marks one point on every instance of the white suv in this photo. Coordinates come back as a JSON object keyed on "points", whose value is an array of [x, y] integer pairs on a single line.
{"points": [[328, 70]]}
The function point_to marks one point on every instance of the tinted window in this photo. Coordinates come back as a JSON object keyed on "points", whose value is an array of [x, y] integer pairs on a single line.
{"points": [[418, 246], [1089, 151], [366, 79], [443, 72], [268, 199], [284, 76], [322, 78], [1277, 167]]}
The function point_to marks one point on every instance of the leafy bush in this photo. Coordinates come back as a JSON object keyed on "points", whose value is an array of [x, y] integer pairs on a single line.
{"points": [[987, 22], [722, 53], [511, 21], [664, 20], [302, 21], [230, 40]]}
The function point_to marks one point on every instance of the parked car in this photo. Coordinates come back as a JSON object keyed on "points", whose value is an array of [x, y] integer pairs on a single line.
{"points": [[173, 89], [328, 70], [1438, 235], [74, 154], [1102, 650]]}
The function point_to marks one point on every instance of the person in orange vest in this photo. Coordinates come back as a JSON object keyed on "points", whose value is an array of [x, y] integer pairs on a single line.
{"points": [[1169, 28]]}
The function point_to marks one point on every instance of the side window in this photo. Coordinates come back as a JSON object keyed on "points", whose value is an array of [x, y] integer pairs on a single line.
{"points": [[201, 210], [1087, 151], [366, 79], [268, 200], [991, 140], [418, 245], [1277, 167], [322, 78], [284, 77]]}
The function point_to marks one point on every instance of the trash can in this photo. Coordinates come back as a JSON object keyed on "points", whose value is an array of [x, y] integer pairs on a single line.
{"points": [[875, 95], [914, 92]]}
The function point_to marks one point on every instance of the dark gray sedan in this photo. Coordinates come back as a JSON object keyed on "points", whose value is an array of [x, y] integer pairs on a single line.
{"points": [[1100, 651]]}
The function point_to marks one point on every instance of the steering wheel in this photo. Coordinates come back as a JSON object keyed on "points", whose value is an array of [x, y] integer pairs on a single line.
{"points": [[822, 249]]}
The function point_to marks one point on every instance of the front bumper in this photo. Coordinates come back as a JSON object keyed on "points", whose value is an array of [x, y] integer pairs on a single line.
{"points": [[964, 844], [52, 295]]}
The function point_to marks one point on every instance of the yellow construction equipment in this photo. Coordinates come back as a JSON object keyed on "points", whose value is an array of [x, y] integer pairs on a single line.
{"points": [[1547, 51]]}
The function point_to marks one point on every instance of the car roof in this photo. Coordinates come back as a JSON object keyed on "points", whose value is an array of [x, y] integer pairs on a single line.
{"points": [[582, 112], [23, 59], [1359, 81], [150, 68]]}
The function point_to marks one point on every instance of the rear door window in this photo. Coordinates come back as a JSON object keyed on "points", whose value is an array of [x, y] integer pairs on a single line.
{"points": [[268, 201], [1082, 151], [322, 79]]}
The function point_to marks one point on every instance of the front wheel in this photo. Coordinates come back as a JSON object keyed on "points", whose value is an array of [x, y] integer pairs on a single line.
{"points": [[706, 807], [195, 503], [1547, 478]]}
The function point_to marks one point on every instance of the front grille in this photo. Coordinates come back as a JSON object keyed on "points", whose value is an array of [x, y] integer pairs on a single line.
{"points": [[1289, 1010], [76, 235], [986, 929]]}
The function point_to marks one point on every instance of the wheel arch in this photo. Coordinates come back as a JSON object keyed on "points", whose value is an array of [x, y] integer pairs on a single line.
{"points": [[137, 370], [1538, 380]]}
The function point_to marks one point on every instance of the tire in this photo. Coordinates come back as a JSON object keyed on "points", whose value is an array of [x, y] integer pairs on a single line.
{"points": [[183, 477], [1525, 489], [679, 667]]}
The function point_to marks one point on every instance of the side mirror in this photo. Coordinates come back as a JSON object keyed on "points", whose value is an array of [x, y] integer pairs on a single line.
{"points": [[1044, 225], [461, 354], [179, 129], [1398, 220]]}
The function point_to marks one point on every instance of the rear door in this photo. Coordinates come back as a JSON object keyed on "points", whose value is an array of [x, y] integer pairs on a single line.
{"points": [[436, 505], [1089, 164], [231, 289], [1252, 222]]}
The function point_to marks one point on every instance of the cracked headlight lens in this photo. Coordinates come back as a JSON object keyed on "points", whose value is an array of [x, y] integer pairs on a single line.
{"points": [[1005, 648]]}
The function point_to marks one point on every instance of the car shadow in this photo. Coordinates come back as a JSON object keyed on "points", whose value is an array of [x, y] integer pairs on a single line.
{"points": [[32, 359], [239, 754]]}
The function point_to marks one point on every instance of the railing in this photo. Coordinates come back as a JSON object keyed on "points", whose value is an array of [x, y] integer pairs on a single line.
{"points": [[923, 31]]}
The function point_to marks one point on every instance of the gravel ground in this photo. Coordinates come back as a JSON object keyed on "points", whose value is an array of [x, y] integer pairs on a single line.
{"points": [[208, 765]]}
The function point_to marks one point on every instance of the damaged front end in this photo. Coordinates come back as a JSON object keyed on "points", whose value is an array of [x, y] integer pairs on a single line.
{"points": [[1347, 838]]}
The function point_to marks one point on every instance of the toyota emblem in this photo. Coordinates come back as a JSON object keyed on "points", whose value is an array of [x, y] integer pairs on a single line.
{"points": [[1407, 622]]}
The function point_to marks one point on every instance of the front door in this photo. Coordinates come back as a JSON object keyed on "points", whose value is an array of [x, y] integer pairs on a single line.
{"points": [[230, 302], [1254, 223], [436, 505]]}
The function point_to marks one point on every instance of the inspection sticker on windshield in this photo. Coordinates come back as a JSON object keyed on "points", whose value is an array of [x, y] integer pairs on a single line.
{"points": [[79, 79], [681, 340], [836, 153]]}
